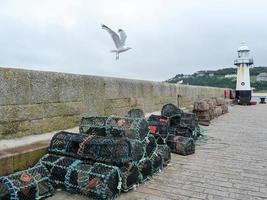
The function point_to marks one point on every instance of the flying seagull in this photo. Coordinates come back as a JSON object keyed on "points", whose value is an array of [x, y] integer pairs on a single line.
{"points": [[119, 40]]}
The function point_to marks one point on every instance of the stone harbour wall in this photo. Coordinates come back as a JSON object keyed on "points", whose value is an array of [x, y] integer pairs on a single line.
{"points": [[33, 102]]}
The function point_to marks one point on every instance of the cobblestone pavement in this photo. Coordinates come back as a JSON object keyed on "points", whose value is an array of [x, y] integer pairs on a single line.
{"points": [[230, 164]]}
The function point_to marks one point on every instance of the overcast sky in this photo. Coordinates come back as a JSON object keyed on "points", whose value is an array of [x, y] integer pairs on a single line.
{"points": [[167, 36]]}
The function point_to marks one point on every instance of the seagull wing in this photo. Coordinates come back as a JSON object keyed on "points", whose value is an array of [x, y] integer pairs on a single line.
{"points": [[123, 36], [113, 35]]}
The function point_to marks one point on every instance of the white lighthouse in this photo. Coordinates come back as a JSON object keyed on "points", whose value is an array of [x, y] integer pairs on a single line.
{"points": [[243, 62]]}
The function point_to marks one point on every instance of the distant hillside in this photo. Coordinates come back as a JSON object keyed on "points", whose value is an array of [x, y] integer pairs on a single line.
{"points": [[220, 78]]}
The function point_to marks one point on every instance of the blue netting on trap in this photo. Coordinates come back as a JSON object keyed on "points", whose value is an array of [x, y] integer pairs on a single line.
{"points": [[95, 180], [33, 183]]}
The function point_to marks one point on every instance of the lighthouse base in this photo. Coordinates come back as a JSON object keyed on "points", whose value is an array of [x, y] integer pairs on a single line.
{"points": [[243, 96]]}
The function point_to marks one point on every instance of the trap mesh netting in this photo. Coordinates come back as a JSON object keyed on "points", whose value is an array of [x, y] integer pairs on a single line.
{"points": [[97, 148], [95, 180], [111, 150], [145, 168], [33, 183], [190, 120], [93, 125], [133, 128], [158, 125], [165, 152], [113, 126], [169, 110], [109, 155], [130, 176], [181, 145], [136, 113]]}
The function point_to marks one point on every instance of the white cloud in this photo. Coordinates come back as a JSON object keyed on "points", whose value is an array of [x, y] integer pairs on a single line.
{"points": [[168, 37]]}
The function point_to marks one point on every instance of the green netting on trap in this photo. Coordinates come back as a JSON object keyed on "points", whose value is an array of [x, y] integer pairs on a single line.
{"points": [[136, 113], [131, 176], [93, 125], [58, 167], [181, 145], [165, 152], [169, 110], [184, 131], [191, 120], [150, 144], [145, 168], [158, 125], [133, 128], [32, 183], [116, 151], [109, 150], [157, 161], [95, 180], [66, 143]]}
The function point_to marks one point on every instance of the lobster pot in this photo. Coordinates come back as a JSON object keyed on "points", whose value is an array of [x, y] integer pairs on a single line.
{"points": [[224, 109], [165, 153], [189, 119], [93, 180], [58, 167], [158, 125], [201, 105], [66, 143], [116, 151], [98, 181], [93, 125], [169, 110], [150, 144], [175, 120], [133, 128], [136, 113], [146, 169], [181, 145], [130, 176], [184, 131], [219, 100], [32, 183], [157, 161]]}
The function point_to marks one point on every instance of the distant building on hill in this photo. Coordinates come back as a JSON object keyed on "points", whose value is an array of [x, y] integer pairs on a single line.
{"points": [[204, 73], [230, 76], [262, 77]]}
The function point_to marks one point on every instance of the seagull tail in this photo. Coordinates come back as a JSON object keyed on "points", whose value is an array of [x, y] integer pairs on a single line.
{"points": [[113, 51]]}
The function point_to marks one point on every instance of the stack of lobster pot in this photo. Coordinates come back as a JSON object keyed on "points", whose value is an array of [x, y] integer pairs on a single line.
{"points": [[144, 156], [221, 104], [208, 109], [175, 128], [109, 155]]}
